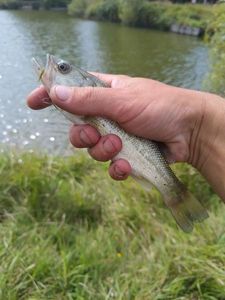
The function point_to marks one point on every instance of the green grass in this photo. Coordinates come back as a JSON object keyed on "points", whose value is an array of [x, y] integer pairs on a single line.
{"points": [[215, 35], [68, 231]]}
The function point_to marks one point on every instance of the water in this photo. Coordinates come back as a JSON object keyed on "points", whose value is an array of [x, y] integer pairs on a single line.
{"points": [[96, 46]]}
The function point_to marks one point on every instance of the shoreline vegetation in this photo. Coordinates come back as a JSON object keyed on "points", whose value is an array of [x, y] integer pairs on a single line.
{"points": [[155, 15], [70, 232], [215, 34]]}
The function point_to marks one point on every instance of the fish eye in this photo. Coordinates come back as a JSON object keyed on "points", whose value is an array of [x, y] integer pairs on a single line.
{"points": [[64, 67]]}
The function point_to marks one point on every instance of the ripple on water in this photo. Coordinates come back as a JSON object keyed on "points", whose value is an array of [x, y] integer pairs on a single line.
{"points": [[25, 130]]}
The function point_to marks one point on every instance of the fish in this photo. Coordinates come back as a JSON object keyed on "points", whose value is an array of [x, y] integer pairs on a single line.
{"points": [[149, 166]]}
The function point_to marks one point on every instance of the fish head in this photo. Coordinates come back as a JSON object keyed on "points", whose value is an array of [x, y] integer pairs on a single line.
{"points": [[55, 72], [61, 72]]}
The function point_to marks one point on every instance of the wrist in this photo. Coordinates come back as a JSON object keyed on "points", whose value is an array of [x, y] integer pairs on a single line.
{"points": [[207, 143]]}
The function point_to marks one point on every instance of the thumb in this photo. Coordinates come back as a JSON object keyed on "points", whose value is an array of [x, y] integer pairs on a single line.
{"points": [[88, 101]]}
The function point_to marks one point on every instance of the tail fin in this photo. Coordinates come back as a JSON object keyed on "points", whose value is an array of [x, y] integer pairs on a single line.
{"points": [[187, 210]]}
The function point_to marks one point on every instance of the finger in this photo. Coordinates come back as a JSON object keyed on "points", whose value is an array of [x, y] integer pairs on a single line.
{"points": [[84, 136], [107, 147], [89, 101], [120, 169], [38, 98]]}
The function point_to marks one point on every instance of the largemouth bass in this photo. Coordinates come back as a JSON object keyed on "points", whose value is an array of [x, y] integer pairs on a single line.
{"points": [[149, 167]]}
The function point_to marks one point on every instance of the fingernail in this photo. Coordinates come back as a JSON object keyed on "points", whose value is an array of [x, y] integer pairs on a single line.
{"points": [[84, 137], [62, 92], [119, 172], [108, 146]]}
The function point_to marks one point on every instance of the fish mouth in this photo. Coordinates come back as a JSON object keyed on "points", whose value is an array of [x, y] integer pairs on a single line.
{"points": [[38, 68], [45, 74], [51, 62]]}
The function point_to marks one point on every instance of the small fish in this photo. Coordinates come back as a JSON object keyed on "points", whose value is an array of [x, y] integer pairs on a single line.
{"points": [[149, 167]]}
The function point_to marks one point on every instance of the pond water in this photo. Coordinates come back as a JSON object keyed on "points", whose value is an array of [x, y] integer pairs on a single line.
{"points": [[105, 47]]}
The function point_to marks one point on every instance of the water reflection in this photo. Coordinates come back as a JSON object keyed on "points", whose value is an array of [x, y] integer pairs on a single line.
{"points": [[104, 47]]}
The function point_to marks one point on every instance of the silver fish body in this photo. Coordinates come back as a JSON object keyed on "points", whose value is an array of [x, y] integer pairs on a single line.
{"points": [[149, 167]]}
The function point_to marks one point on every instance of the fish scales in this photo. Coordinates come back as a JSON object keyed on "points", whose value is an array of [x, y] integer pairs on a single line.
{"points": [[148, 151]]}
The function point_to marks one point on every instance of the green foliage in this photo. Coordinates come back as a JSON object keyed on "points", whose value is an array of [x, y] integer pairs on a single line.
{"points": [[54, 3], [70, 232], [103, 10], [128, 11], [159, 15], [144, 13], [47, 4], [215, 35], [9, 4], [190, 15], [163, 15], [154, 15], [77, 8]]}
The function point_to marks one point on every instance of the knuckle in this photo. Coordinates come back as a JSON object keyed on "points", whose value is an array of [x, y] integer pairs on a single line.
{"points": [[98, 153], [86, 94], [120, 81], [123, 112]]}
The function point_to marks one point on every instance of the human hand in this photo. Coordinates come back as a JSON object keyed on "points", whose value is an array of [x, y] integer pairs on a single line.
{"points": [[174, 116]]}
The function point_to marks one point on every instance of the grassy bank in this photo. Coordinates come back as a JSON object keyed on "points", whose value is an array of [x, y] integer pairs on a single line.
{"points": [[69, 232], [157, 15], [215, 34]]}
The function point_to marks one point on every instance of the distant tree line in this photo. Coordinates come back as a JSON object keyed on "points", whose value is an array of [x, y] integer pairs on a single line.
{"points": [[144, 13], [36, 4]]}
